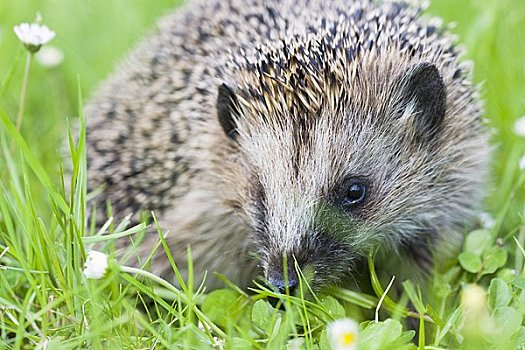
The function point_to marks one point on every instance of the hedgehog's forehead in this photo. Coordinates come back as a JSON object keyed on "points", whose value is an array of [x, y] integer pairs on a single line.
{"points": [[309, 159], [289, 170]]}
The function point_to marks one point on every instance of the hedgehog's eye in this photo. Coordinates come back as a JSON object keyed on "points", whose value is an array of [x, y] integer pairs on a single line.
{"points": [[355, 194]]}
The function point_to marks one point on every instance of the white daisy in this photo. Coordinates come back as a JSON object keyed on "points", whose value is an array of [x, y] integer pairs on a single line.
{"points": [[519, 126], [96, 265], [522, 163], [33, 35], [343, 333]]}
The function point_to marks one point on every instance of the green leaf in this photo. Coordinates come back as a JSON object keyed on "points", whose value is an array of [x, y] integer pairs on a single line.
{"points": [[409, 288], [451, 321], [219, 305], [516, 341], [324, 344], [521, 337], [499, 293], [262, 314], [279, 334], [333, 307], [470, 262], [434, 315], [508, 321], [385, 335], [407, 336], [239, 343], [478, 241], [507, 274], [519, 282], [494, 258]]}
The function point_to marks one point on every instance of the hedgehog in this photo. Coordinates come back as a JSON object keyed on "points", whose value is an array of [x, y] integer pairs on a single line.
{"points": [[289, 138]]}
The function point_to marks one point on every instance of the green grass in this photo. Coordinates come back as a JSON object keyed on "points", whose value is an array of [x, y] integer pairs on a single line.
{"points": [[47, 303]]}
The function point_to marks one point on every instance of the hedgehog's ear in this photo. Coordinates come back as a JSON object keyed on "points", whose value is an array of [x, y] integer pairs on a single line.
{"points": [[227, 110], [423, 86]]}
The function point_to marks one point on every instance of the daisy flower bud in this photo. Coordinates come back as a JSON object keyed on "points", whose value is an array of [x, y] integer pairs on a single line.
{"points": [[474, 299], [34, 35], [486, 220], [476, 323], [343, 334], [49, 57], [96, 265]]}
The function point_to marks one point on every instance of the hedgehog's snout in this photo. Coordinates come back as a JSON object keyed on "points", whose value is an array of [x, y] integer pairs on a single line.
{"points": [[317, 258], [282, 275]]}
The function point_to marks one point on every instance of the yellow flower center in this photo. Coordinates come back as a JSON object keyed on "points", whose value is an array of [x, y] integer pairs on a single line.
{"points": [[348, 338]]}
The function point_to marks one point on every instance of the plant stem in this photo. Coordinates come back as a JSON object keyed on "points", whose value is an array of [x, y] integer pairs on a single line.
{"points": [[151, 276], [23, 91]]}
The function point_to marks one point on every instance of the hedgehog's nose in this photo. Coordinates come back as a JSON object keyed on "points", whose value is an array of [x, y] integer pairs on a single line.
{"points": [[278, 281], [281, 273], [282, 279]]}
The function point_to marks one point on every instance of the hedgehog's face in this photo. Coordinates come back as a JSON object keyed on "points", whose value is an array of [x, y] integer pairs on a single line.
{"points": [[327, 188]]}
